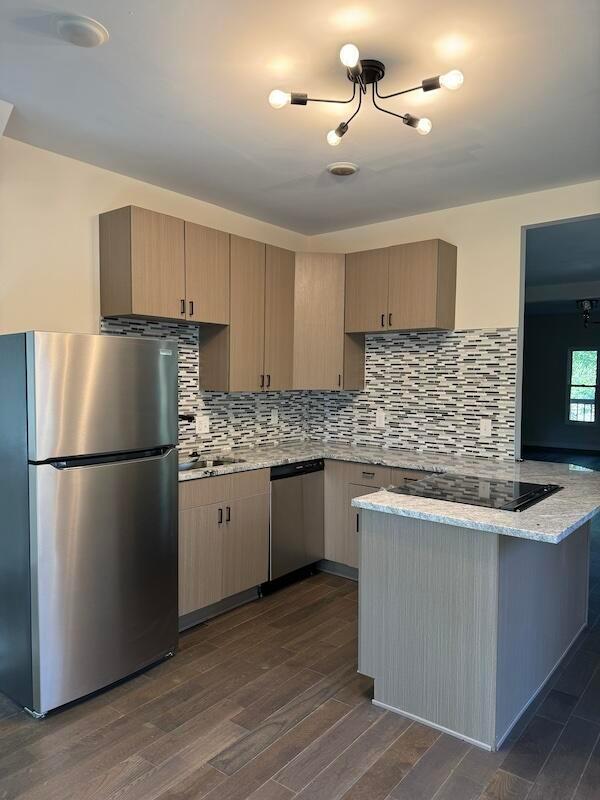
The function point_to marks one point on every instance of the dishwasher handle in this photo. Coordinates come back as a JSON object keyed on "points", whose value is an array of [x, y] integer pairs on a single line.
{"points": [[299, 468]]}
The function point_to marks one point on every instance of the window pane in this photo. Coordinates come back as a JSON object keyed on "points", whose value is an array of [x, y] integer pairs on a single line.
{"points": [[582, 393], [582, 412], [584, 367]]}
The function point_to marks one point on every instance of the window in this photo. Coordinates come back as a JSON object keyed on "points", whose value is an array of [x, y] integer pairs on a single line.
{"points": [[583, 385]]}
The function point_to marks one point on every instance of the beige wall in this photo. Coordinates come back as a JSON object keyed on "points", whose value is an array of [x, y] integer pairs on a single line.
{"points": [[488, 237], [49, 208]]}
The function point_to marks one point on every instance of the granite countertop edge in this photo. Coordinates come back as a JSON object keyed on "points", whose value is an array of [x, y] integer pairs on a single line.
{"points": [[550, 521]]}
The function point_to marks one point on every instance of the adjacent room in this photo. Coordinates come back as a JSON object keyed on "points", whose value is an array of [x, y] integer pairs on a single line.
{"points": [[299, 386]]}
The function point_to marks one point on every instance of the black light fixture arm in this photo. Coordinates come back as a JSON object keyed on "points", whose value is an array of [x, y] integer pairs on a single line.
{"points": [[324, 100], [356, 111], [394, 94], [403, 117]]}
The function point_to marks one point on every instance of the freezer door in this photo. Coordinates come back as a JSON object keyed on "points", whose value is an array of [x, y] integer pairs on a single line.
{"points": [[104, 573], [99, 394]]}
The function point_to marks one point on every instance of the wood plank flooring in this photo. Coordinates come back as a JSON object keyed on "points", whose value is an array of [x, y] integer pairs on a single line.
{"points": [[264, 703]]}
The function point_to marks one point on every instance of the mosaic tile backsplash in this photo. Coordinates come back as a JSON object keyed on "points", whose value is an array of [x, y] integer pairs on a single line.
{"points": [[434, 388]]}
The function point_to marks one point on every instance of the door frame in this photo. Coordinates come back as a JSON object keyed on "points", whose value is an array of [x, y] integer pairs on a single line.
{"points": [[521, 325]]}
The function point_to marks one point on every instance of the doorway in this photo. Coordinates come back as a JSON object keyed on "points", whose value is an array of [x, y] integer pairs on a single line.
{"points": [[560, 396]]}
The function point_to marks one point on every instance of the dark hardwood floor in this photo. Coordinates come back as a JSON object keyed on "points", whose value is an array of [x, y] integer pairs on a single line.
{"points": [[264, 703]]}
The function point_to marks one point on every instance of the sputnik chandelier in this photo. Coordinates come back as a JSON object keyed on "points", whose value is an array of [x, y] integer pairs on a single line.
{"points": [[362, 73]]}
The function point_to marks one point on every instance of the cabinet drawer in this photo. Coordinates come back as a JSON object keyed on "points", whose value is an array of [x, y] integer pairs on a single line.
{"points": [[402, 476], [204, 491], [369, 475]]}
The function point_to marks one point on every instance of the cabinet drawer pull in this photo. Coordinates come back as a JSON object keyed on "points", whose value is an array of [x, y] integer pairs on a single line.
{"points": [[182, 307], [220, 516], [390, 319], [191, 308], [368, 474], [228, 514], [383, 320]]}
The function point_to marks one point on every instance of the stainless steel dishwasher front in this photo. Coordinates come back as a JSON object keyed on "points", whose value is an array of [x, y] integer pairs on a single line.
{"points": [[297, 511]]}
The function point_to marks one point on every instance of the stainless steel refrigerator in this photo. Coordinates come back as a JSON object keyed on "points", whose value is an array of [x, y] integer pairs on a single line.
{"points": [[88, 512]]}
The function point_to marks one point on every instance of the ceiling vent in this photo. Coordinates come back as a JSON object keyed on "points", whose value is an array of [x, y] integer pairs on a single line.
{"points": [[81, 31], [342, 168]]}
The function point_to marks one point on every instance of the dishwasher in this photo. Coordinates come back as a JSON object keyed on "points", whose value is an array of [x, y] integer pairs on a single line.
{"points": [[297, 516]]}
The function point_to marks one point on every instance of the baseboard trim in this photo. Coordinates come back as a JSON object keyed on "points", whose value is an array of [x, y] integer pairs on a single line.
{"points": [[335, 568], [208, 612], [435, 725], [548, 677]]}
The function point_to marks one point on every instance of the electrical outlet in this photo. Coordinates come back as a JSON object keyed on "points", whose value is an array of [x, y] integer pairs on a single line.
{"points": [[485, 427], [202, 424], [274, 416], [380, 418]]}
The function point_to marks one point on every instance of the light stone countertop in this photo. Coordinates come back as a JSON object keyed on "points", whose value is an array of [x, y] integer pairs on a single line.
{"points": [[551, 520]]}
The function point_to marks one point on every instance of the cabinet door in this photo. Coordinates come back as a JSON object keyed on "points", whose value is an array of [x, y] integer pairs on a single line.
{"points": [[337, 476], [319, 321], [367, 291], [352, 519], [246, 544], [200, 557], [157, 265], [206, 274], [279, 318], [422, 285], [247, 320]]}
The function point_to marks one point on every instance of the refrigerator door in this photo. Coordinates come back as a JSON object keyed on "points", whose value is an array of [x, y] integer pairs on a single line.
{"points": [[104, 573], [99, 394]]}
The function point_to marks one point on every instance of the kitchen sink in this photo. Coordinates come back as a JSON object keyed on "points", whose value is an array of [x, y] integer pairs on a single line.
{"points": [[206, 462]]}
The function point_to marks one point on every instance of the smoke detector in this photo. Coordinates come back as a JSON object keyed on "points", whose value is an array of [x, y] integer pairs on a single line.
{"points": [[342, 168], [81, 31]]}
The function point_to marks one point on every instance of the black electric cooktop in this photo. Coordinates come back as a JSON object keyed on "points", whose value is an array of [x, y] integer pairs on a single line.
{"points": [[488, 492]]}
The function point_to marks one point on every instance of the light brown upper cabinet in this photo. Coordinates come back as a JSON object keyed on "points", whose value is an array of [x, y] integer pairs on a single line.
{"points": [[367, 290], [401, 288], [279, 318], [254, 353], [324, 356], [206, 274], [142, 264], [247, 315], [153, 265], [422, 286]]}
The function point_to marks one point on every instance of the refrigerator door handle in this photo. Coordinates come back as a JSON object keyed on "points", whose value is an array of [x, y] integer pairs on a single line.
{"points": [[113, 458]]}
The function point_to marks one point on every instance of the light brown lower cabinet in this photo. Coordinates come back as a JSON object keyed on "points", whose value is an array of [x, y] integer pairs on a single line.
{"points": [[223, 537]]}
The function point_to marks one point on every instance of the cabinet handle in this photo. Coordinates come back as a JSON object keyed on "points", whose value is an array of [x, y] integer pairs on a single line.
{"points": [[339, 379], [357, 522], [390, 320], [228, 514], [191, 308], [383, 320], [268, 380], [368, 474], [262, 381], [182, 307], [220, 516]]}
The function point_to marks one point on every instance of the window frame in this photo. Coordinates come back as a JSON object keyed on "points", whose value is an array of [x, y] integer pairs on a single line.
{"points": [[570, 385]]}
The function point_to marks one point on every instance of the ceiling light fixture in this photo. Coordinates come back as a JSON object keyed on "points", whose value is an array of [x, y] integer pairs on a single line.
{"points": [[81, 31], [362, 73]]}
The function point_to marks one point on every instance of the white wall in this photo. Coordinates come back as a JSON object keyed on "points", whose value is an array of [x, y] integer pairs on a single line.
{"points": [[488, 237], [49, 208]]}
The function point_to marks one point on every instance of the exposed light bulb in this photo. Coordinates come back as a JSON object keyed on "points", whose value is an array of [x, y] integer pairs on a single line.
{"points": [[424, 126], [279, 99], [349, 55], [333, 139], [452, 80]]}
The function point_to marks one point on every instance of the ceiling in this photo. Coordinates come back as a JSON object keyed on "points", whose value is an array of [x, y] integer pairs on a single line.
{"points": [[565, 253], [178, 97]]}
